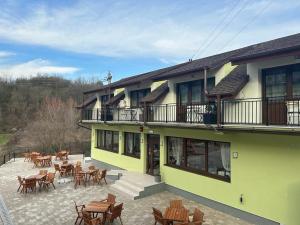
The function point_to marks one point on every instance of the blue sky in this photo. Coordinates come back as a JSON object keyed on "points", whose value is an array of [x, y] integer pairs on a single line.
{"points": [[88, 38]]}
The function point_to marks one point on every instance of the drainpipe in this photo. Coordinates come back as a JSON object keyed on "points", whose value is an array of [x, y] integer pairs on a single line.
{"points": [[218, 111], [205, 80]]}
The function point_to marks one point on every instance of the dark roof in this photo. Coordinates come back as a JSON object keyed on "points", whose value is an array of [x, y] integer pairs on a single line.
{"points": [[159, 92], [231, 85], [116, 99], [134, 79], [276, 46], [87, 102], [211, 62]]}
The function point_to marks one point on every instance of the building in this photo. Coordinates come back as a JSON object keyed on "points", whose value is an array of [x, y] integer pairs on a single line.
{"points": [[224, 129]]}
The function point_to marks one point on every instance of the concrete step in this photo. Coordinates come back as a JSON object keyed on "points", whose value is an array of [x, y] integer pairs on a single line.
{"points": [[129, 185], [123, 190]]}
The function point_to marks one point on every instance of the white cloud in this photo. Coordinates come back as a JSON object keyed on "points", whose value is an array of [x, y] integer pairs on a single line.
{"points": [[4, 54], [33, 68], [172, 30]]}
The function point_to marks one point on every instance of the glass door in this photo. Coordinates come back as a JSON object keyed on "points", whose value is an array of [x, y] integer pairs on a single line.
{"points": [[153, 154]]}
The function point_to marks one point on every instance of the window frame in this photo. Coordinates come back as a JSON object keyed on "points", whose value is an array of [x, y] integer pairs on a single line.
{"points": [[137, 93], [190, 84], [104, 147], [190, 169], [125, 145]]}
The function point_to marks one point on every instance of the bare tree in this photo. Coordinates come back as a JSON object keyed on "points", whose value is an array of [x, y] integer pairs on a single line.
{"points": [[54, 126]]}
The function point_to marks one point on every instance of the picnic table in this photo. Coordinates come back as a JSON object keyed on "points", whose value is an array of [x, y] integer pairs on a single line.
{"points": [[98, 207], [177, 214]]}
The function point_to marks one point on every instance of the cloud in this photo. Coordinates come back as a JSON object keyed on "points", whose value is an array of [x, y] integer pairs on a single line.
{"points": [[4, 54], [171, 29], [33, 68]]}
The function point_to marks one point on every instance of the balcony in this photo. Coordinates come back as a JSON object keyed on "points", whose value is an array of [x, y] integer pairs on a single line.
{"points": [[278, 112]]}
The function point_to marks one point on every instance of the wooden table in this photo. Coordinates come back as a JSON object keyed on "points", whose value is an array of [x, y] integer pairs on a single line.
{"points": [[42, 159], [39, 178], [98, 207], [177, 214]]}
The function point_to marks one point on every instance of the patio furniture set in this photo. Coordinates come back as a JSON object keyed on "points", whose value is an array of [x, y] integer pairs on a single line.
{"points": [[43, 180], [99, 212], [177, 214]]}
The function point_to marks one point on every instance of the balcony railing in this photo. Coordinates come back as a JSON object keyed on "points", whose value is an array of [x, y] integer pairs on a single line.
{"points": [[275, 111]]}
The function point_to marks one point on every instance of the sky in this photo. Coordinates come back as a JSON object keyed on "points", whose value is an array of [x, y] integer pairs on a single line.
{"points": [[86, 39]]}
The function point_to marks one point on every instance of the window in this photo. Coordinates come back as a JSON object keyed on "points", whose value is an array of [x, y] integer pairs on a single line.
{"points": [[193, 92], [283, 81], [108, 140], [136, 96], [132, 144], [208, 158], [104, 98]]}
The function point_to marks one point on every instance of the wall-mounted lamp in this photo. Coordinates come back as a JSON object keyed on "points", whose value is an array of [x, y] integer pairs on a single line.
{"points": [[235, 155]]}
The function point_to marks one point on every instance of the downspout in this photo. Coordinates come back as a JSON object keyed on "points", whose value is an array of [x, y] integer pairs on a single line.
{"points": [[205, 80]]}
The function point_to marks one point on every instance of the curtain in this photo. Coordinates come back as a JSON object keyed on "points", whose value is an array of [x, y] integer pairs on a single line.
{"points": [[129, 143], [225, 154]]}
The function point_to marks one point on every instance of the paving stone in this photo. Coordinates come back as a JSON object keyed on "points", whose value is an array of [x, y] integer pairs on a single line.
{"points": [[56, 207]]}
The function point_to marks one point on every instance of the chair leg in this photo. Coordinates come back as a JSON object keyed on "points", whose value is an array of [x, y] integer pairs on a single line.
{"points": [[53, 185], [19, 188], [120, 220], [105, 180]]}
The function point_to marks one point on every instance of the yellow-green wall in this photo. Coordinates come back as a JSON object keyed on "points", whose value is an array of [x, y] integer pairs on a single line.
{"points": [[266, 171]]}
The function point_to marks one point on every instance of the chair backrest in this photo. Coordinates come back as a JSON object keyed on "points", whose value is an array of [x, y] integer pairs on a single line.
{"points": [[176, 204], [20, 179], [50, 177], [198, 216], [78, 208], [78, 163], [78, 169], [111, 198], [103, 173], [87, 218], [57, 167], [92, 167], [43, 172], [30, 182], [157, 214], [116, 211]]}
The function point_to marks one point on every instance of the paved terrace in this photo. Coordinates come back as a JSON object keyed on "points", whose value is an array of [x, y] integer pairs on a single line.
{"points": [[57, 207]]}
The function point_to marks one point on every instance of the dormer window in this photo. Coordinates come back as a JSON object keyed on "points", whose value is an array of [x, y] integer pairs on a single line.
{"points": [[137, 96], [192, 92]]}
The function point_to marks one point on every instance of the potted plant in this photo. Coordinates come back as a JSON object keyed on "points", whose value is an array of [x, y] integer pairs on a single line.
{"points": [[210, 116]]}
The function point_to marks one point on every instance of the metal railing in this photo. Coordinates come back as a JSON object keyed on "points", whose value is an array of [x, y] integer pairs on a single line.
{"points": [[256, 111]]}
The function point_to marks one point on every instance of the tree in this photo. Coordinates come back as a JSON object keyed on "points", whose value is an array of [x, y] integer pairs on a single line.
{"points": [[55, 125]]}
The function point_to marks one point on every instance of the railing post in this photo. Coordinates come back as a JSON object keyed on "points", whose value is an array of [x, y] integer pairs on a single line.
{"points": [[105, 113], [145, 112], [97, 111], [219, 111], [118, 114], [166, 113]]}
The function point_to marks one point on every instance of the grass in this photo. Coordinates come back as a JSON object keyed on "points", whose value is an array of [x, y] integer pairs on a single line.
{"points": [[4, 138]]}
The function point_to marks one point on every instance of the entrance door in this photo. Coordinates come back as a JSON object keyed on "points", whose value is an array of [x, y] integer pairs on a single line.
{"points": [[153, 154], [275, 111]]}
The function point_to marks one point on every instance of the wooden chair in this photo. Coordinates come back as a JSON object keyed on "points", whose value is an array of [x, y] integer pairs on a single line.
{"points": [[26, 157], [29, 184], [92, 167], [88, 220], [48, 161], [61, 171], [110, 199], [67, 154], [78, 163], [176, 204], [36, 162], [79, 179], [79, 209], [197, 217], [115, 213], [101, 176], [158, 217], [21, 183], [49, 180]]}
